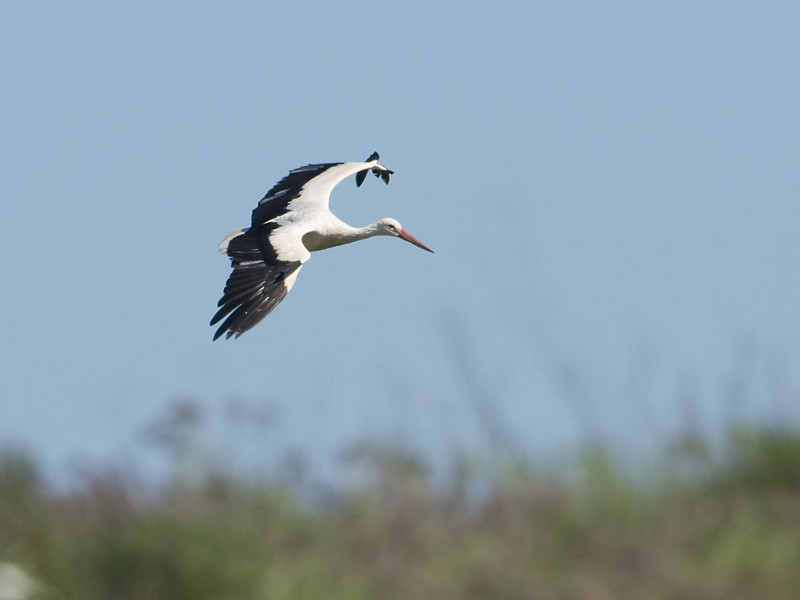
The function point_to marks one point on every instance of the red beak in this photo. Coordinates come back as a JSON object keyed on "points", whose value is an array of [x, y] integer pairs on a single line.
{"points": [[410, 238]]}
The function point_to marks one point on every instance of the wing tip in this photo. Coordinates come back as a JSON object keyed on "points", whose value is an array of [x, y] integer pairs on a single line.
{"points": [[383, 173], [228, 327]]}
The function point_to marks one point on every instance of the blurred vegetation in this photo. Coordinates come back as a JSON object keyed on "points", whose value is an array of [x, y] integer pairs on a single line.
{"points": [[707, 524]]}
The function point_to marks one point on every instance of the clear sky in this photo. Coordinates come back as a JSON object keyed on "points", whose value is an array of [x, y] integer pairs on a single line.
{"points": [[611, 188]]}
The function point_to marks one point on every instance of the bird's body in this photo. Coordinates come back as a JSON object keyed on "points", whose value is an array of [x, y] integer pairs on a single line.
{"points": [[290, 222]]}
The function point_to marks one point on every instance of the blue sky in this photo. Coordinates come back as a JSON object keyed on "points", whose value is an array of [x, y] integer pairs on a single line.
{"points": [[611, 189]]}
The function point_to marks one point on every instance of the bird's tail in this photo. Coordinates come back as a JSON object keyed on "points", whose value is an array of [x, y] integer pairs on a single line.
{"points": [[223, 245]]}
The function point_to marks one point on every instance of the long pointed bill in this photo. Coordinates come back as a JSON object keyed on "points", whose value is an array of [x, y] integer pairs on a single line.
{"points": [[410, 238]]}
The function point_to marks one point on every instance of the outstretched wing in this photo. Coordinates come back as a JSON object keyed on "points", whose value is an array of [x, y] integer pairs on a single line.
{"points": [[311, 186], [259, 281]]}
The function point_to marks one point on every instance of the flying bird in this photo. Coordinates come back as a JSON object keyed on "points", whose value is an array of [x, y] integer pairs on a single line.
{"points": [[290, 222]]}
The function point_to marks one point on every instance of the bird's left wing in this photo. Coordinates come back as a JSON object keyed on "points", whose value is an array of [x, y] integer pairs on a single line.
{"points": [[259, 281], [310, 187]]}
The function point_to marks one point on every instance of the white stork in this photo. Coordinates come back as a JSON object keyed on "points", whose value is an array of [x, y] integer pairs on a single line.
{"points": [[291, 221]]}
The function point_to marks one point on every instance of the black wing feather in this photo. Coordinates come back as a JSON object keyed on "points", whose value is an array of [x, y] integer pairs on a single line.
{"points": [[277, 199], [256, 285]]}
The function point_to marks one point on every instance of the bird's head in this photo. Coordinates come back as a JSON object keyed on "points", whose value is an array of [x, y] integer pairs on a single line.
{"points": [[389, 226]]}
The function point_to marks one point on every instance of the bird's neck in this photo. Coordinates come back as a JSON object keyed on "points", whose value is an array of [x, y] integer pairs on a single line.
{"points": [[341, 234]]}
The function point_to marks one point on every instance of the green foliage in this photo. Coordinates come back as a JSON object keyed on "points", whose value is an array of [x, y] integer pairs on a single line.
{"points": [[730, 530], [765, 459]]}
